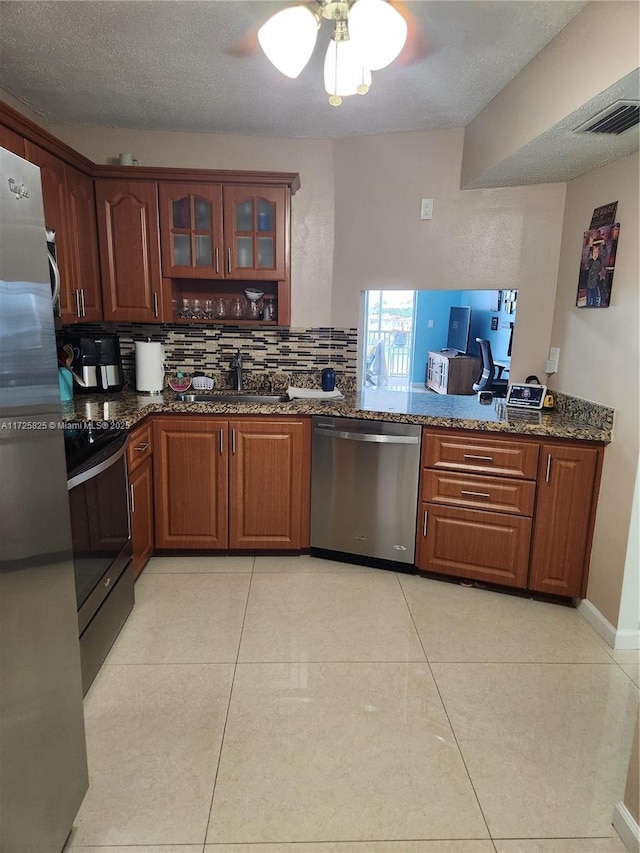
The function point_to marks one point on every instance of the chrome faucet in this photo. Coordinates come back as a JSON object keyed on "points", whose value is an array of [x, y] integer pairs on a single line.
{"points": [[236, 371]]}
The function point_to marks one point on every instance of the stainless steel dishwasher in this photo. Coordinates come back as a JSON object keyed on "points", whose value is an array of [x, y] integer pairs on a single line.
{"points": [[364, 487]]}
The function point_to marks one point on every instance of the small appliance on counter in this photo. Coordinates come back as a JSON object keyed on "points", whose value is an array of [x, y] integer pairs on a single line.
{"points": [[95, 361], [149, 367]]}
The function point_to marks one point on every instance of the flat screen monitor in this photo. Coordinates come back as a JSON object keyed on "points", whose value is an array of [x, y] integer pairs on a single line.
{"points": [[459, 328]]}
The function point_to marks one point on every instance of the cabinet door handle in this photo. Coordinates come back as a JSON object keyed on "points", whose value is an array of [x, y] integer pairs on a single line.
{"points": [[229, 261], [233, 441], [76, 296], [142, 447], [475, 494], [547, 476], [155, 304], [424, 523], [133, 497], [221, 441], [217, 257], [481, 458], [82, 305]]}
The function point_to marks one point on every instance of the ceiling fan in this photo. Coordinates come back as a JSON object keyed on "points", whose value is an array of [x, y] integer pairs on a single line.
{"points": [[367, 35]]}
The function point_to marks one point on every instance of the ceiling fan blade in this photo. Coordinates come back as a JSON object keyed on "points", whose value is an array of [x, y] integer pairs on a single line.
{"points": [[418, 45], [247, 44]]}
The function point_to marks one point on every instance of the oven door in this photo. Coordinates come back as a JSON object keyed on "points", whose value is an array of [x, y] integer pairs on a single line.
{"points": [[100, 531]]}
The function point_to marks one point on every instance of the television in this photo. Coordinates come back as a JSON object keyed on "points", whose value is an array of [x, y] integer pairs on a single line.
{"points": [[459, 328]]}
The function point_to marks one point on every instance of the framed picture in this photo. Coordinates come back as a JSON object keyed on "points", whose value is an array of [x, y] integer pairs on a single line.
{"points": [[597, 265]]}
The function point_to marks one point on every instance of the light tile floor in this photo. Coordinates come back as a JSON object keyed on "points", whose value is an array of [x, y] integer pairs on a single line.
{"points": [[298, 705]]}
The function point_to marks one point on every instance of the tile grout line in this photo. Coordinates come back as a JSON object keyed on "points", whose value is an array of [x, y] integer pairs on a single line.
{"points": [[444, 708], [226, 718]]}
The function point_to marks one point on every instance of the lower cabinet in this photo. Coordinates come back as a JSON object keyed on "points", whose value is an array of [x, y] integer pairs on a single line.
{"points": [[517, 512], [232, 484], [140, 466], [565, 510]]}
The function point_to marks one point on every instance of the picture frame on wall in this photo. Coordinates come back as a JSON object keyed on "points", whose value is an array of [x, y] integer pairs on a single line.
{"points": [[597, 265]]}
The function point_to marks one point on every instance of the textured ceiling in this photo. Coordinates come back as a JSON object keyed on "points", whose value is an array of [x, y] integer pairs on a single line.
{"points": [[167, 65], [195, 65]]}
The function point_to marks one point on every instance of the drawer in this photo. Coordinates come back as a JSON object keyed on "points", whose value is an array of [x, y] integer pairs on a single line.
{"points": [[498, 494], [140, 446], [504, 457], [467, 543]]}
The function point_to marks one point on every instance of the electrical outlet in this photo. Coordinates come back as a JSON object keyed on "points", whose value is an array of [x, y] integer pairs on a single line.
{"points": [[430, 324], [426, 208], [552, 362]]}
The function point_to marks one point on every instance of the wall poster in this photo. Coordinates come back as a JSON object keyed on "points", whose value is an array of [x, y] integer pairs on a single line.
{"points": [[599, 247]]}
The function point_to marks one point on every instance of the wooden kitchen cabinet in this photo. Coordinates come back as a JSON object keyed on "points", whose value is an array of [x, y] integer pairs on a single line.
{"points": [[232, 484], [69, 209], [86, 295], [217, 240], [256, 228], [11, 141], [56, 218], [140, 468], [515, 511], [128, 236], [190, 467], [269, 479], [477, 499], [191, 230], [565, 514]]}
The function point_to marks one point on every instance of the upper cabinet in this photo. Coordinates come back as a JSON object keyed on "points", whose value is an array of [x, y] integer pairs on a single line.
{"points": [[86, 301], [11, 141], [69, 210], [129, 250], [231, 232], [191, 230], [256, 228]]}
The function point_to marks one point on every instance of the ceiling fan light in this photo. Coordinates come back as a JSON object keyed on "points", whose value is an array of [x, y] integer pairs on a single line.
{"points": [[288, 39], [380, 31], [344, 71]]}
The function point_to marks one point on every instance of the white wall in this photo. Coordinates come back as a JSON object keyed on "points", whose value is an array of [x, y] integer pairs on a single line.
{"points": [[478, 239], [599, 360]]}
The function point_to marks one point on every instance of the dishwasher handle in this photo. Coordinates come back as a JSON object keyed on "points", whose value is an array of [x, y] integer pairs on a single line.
{"points": [[368, 436]]}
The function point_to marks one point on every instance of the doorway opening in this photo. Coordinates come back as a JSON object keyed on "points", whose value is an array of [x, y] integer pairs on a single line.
{"points": [[389, 334]]}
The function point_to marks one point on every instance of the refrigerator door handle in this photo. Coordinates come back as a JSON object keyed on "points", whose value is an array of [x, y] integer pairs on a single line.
{"points": [[56, 277]]}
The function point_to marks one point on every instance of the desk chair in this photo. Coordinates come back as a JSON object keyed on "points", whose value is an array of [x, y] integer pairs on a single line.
{"points": [[490, 374]]}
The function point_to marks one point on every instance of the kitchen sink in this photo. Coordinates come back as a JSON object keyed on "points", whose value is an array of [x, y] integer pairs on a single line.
{"points": [[231, 397]]}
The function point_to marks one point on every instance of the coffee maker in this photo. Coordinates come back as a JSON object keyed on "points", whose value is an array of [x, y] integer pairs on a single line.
{"points": [[96, 361]]}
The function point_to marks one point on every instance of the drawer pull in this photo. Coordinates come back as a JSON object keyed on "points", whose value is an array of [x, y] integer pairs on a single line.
{"points": [[481, 458], [475, 494], [142, 447]]}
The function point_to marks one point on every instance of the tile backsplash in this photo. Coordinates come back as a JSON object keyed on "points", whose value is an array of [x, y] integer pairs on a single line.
{"points": [[211, 348]]}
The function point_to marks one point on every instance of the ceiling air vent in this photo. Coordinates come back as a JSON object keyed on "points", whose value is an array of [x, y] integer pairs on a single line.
{"points": [[615, 119]]}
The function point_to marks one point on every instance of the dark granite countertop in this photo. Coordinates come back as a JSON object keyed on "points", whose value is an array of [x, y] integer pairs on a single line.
{"points": [[576, 419]]}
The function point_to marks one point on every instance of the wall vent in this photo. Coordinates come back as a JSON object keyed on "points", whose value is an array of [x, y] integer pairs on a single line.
{"points": [[614, 120]]}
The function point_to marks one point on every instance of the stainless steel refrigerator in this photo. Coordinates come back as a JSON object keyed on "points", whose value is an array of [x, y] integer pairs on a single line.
{"points": [[43, 763]]}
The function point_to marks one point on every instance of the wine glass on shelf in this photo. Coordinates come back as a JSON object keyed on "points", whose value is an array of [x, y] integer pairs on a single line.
{"points": [[220, 311], [208, 309], [237, 308]]}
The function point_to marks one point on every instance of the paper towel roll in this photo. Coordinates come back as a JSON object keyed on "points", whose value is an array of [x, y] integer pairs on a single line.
{"points": [[149, 367]]}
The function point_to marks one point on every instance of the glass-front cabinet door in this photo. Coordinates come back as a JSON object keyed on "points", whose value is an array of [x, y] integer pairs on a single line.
{"points": [[191, 230], [255, 232]]}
